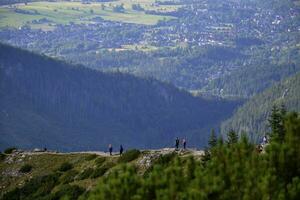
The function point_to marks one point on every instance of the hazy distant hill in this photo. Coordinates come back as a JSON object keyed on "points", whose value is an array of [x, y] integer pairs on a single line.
{"points": [[253, 115], [51, 103], [222, 47]]}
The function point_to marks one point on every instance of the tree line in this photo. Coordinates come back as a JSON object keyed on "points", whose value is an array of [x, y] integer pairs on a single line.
{"points": [[232, 168]]}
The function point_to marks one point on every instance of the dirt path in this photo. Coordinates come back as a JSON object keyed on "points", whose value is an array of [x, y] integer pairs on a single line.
{"points": [[163, 151]]}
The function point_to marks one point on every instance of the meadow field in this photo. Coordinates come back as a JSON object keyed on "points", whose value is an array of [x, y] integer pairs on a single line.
{"points": [[46, 15]]}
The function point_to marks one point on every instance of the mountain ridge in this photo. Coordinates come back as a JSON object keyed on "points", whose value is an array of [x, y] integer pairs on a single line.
{"points": [[252, 117], [43, 100]]}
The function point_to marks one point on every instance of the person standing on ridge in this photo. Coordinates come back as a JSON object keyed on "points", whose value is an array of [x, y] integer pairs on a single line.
{"points": [[177, 143], [110, 148], [121, 149], [265, 140], [184, 143]]}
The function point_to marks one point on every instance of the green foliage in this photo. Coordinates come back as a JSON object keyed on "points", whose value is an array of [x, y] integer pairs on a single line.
{"points": [[252, 117], [152, 108], [235, 171], [85, 174], [99, 161], [9, 150], [25, 168], [162, 160], [99, 171], [109, 164], [129, 155], [165, 159], [91, 157], [232, 137], [121, 184], [206, 157], [65, 167], [68, 176], [68, 192], [35, 188], [276, 123], [213, 139]]}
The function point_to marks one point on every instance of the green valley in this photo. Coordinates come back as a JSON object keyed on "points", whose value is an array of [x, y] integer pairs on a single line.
{"points": [[46, 15], [200, 46]]}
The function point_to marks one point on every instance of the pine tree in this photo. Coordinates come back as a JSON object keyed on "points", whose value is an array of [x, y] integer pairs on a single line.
{"points": [[281, 125], [276, 123], [206, 157], [213, 139], [283, 110], [190, 168], [232, 137]]}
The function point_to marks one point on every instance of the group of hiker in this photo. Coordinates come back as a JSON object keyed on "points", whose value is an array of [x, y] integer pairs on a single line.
{"points": [[177, 143], [110, 149]]}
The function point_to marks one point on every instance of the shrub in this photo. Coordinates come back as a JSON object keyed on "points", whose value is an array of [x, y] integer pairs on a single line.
{"points": [[162, 160], [99, 171], [9, 150], [36, 188], [25, 168], [85, 174], [65, 167], [99, 161], [165, 159], [129, 155], [68, 177], [2, 156], [68, 192], [108, 165], [91, 157]]}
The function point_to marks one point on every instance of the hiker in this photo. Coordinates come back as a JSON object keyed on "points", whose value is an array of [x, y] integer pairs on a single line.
{"points": [[184, 143], [121, 149], [110, 148], [177, 143], [265, 140]]}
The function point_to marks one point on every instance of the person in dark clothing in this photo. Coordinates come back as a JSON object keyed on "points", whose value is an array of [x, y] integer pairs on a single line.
{"points": [[177, 143], [110, 148], [121, 149], [184, 143]]}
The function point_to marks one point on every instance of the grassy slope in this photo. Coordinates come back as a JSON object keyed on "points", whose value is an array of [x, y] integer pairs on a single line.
{"points": [[48, 163], [76, 12], [43, 164]]}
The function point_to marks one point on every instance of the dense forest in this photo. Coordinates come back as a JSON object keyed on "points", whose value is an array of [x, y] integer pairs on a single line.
{"points": [[262, 73], [221, 71], [53, 104], [231, 168], [252, 116]]}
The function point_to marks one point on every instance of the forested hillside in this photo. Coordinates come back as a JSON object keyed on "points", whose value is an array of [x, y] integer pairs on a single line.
{"points": [[47, 103], [252, 117], [254, 78]]}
